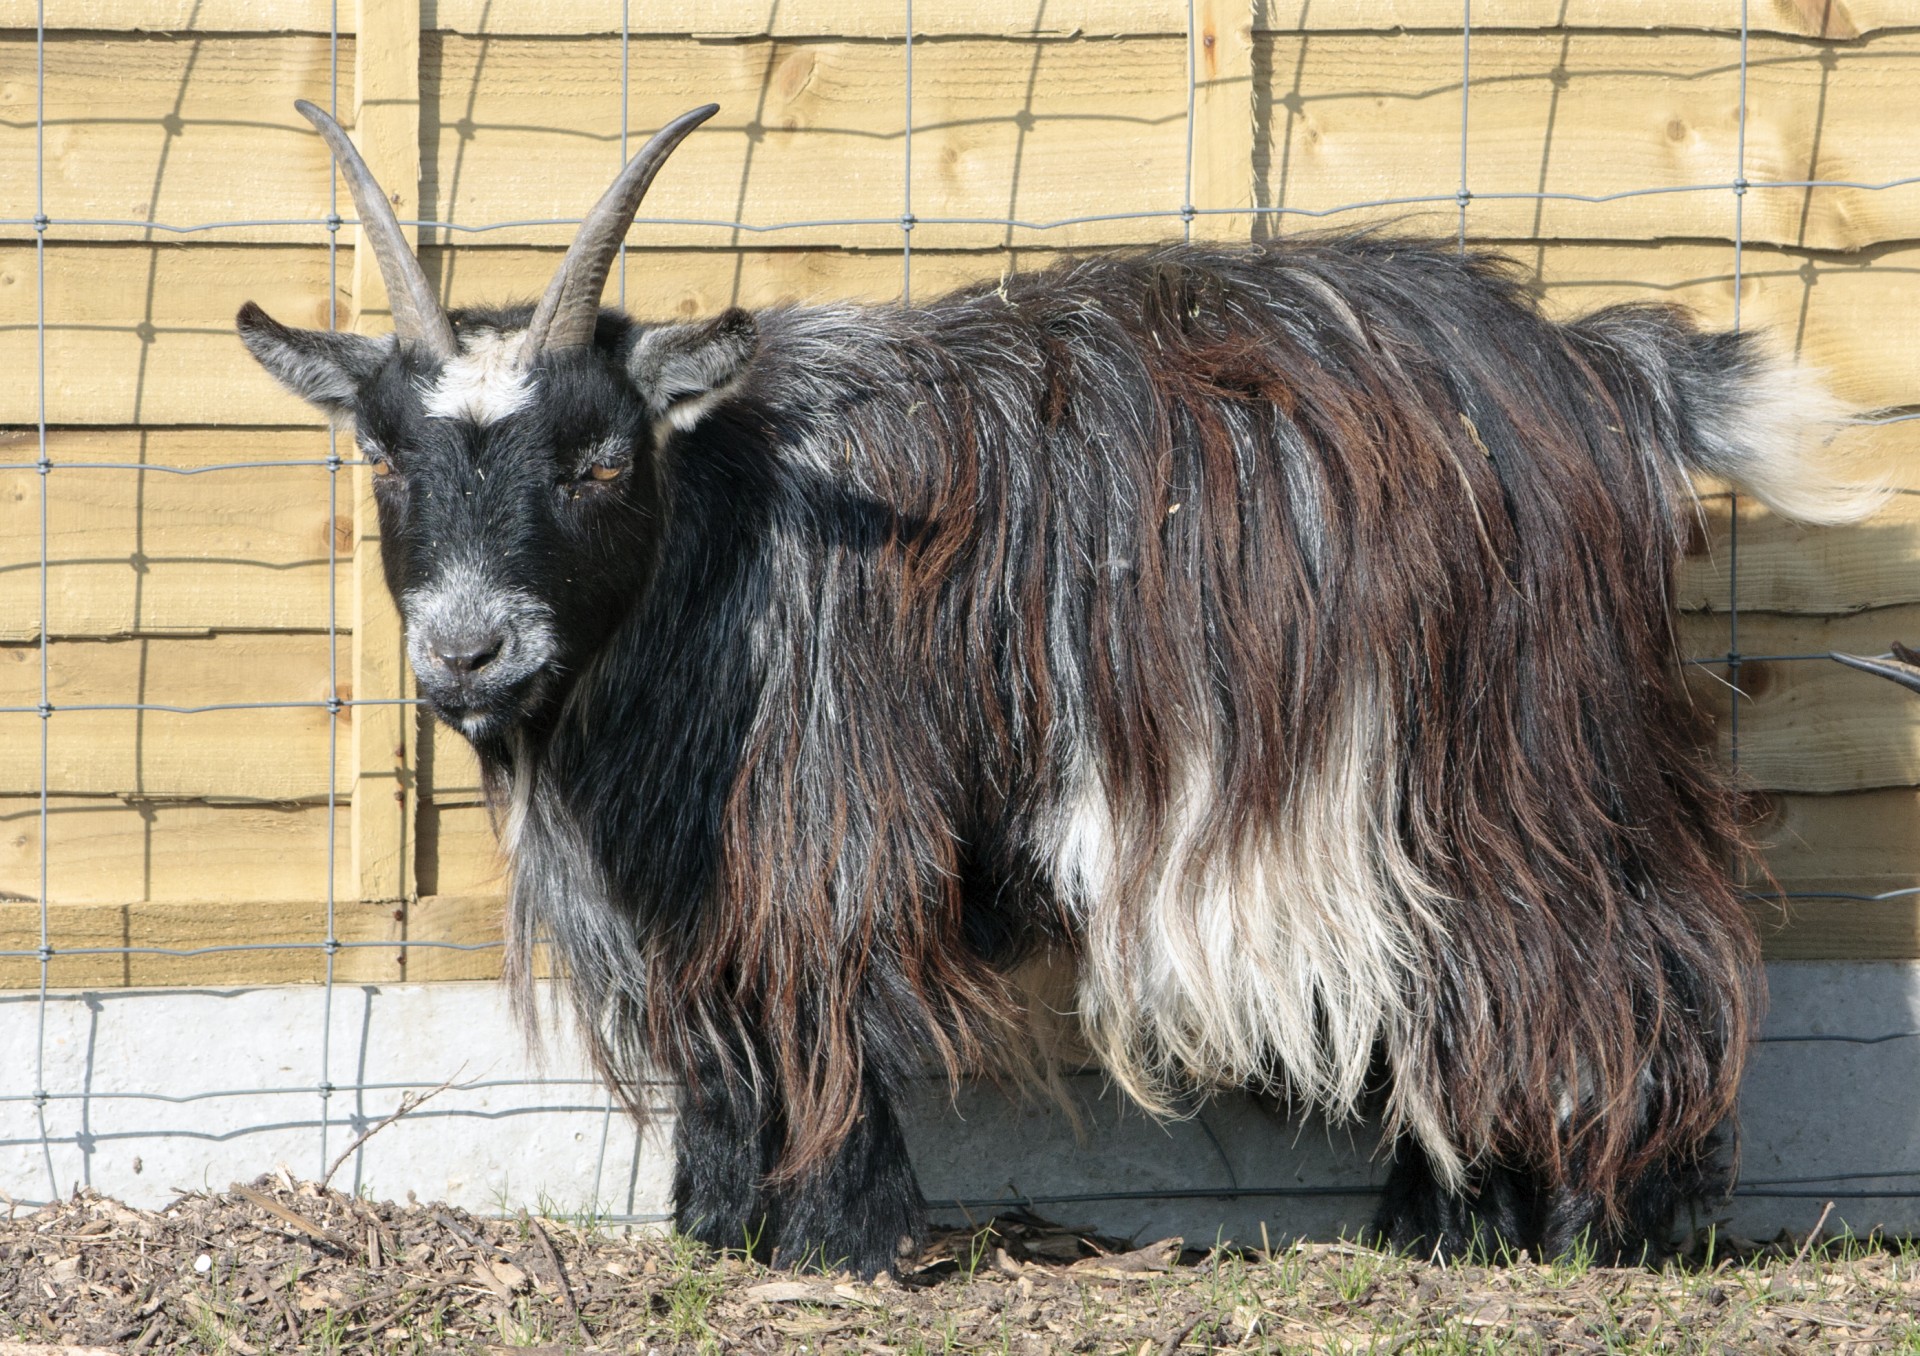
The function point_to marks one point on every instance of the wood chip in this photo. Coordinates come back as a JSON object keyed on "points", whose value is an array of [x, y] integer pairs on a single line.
{"points": [[796, 1292], [292, 1218], [1154, 1258], [503, 1278]]}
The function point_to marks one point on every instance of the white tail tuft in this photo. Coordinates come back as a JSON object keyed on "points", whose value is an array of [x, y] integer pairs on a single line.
{"points": [[1771, 436]]}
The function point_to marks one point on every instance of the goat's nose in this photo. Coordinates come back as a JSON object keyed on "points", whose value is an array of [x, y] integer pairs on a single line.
{"points": [[467, 654]]}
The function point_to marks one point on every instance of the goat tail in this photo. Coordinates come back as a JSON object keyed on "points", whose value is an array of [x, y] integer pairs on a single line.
{"points": [[1730, 405]]}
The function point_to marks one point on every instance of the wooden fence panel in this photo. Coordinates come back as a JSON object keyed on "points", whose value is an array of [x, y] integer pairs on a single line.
{"points": [[212, 830]]}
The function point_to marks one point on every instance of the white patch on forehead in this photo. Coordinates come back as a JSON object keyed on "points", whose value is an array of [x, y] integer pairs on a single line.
{"points": [[484, 383]]}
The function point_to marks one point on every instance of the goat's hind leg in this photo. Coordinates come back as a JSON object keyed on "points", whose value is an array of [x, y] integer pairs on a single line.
{"points": [[1495, 1216], [1575, 1223], [862, 1209], [1508, 1210]]}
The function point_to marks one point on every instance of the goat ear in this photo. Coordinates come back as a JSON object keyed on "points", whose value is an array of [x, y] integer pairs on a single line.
{"points": [[324, 367], [682, 371]]}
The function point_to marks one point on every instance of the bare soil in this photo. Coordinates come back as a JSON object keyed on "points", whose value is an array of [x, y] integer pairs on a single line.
{"points": [[285, 1266]]}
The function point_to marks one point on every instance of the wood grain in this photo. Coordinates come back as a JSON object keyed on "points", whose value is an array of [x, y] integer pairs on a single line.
{"points": [[1811, 725], [236, 755], [237, 941], [387, 119], [134, 552], [118, 849], [1628, 118], [1042, 130], [884, 18]]}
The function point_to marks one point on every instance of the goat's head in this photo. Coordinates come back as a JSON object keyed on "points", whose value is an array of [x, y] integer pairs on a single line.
{"points": [[514, 451]]}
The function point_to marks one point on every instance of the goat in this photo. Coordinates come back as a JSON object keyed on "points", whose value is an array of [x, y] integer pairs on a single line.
{"points": [[1279, 633]]}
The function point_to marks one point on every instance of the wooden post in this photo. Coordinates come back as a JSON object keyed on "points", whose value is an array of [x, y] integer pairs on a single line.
{"points": [[1223, 117], [386, 126]]}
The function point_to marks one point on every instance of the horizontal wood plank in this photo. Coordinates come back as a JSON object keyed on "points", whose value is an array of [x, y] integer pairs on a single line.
{"points": [[143, 334], [1813, 841], [1840, 929], [157, 552], [237, 942], [469, 927], [1630, 119], [197, 130], [114, 849], [518, 129], [529, 129], [271, 754], [1786, 567], [886, 18]]}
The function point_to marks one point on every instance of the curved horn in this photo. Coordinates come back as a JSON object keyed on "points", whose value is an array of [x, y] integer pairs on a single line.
{"points": [[417, 316], [569, 311], [1903, 668]]}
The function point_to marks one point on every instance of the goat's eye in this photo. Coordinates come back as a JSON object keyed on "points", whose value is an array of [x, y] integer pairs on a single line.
{"points": [[375, 455], [600, 463]]}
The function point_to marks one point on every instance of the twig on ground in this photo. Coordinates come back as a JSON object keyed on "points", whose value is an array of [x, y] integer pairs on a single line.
{"points": [[409, 1104], [276, 1301], [293, 1217], [468, 1236], [1807, 1246], [559, 1267], [1179, 1335]]}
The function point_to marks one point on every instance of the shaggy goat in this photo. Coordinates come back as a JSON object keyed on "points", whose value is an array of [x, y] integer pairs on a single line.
{"points": [[1279, 633]]}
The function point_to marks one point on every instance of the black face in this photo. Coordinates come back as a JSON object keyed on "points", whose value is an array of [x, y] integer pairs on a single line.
{"points": [[515, 518], [518, 506]]}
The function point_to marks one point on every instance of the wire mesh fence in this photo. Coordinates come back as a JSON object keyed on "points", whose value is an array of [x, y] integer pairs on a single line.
{"points": [[329, 1084]]}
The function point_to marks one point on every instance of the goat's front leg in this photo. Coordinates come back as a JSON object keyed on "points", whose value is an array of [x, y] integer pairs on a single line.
{"points": [[724, 1141], [861, 1210]]}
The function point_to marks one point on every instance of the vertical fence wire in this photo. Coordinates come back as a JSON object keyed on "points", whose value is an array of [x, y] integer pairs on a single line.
{"points": [[1193, 91], [906, 175], [626, 42], [45, 468], [334, 464], [1463, 194], [1735, 696]]}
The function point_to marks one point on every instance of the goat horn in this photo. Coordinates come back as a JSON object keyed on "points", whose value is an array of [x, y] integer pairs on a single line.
{"points": [[417, 316], [569, 311], [1903, 668]]}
